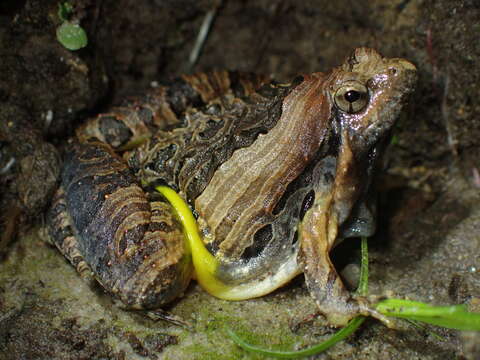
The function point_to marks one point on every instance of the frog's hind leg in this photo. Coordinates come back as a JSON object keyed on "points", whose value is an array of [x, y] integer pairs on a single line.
{"points": [[63, 237]]}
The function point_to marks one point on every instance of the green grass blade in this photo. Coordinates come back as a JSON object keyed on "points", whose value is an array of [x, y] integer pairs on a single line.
{"points": [[353, 325], [452, 317], [363, 282]]}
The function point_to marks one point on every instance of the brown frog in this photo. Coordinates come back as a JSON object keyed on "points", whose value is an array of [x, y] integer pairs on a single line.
{"points": [[276, 175]]}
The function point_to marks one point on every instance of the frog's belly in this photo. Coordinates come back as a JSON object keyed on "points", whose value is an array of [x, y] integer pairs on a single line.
{"points": [[264, 284]]}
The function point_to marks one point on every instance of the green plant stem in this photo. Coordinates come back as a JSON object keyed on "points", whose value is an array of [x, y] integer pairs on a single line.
{"points": [[351, 327], [363, 282]]}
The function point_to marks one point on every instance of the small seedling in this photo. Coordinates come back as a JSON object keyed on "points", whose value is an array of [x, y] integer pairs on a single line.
{"points": [[70, 34]]}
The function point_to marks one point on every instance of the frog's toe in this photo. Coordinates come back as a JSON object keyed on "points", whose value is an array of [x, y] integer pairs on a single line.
{"points": [[160, 314], [367, 308]]}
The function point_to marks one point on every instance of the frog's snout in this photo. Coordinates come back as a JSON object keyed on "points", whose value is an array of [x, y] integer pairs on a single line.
{"points": [[401, 67], [406, 72]]}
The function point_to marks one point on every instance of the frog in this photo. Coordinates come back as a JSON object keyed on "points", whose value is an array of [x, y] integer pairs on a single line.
{"points": [[276, 175]]}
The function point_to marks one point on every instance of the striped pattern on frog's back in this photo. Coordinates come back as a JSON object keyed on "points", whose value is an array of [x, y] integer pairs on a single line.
{"points": [[187, 156], [137, 118], [256, 177], [241, 163], [133, 245]]}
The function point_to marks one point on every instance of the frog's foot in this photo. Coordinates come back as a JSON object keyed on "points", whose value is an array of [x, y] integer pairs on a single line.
{"points": [[339, 311], [296, 324], [160, 314], [367, 308]]}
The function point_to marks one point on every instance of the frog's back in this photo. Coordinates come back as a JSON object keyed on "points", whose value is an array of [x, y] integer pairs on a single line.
{"points": [[102, 220]]}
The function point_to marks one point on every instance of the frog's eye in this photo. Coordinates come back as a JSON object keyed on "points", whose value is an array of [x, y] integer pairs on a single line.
{"points": [[351, 97]]}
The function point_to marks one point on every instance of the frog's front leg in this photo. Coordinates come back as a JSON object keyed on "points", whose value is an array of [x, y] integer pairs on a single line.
{"points": [[134, 247], [318, 233]]}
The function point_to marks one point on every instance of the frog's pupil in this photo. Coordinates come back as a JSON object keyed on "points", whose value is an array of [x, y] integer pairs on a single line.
{"points": [[352, 96]]}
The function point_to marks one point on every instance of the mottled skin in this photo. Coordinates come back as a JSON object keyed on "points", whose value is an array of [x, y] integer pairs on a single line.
{"points": [[276, 174]]}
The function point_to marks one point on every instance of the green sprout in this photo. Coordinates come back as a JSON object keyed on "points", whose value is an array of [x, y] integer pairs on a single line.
{"points": [[70, 34]]}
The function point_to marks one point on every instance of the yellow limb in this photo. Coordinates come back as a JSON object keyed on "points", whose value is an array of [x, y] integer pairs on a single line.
{"points": [[204, 262]]}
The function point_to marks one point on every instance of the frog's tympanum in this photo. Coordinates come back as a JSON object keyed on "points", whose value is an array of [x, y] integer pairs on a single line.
{"points": [[276, 175]]}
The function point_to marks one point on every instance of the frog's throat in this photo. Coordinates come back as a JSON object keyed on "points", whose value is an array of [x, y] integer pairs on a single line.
{"points": [[206, 265]]}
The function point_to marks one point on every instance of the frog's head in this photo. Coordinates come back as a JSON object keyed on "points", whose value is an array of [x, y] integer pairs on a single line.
{"points": [[364, 96], [367, 94]]}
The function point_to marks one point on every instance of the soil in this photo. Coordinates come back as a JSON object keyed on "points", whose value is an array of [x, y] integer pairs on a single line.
{"points": [[427, 247]]}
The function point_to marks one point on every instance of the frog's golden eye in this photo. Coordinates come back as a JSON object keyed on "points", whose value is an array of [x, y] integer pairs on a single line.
{"points": [[352, 97]]}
